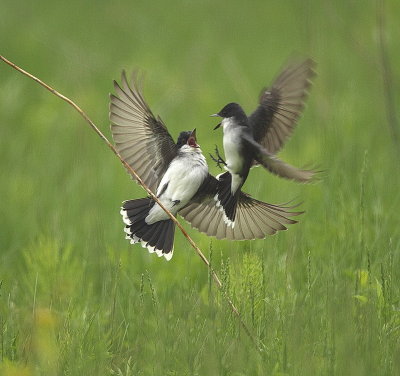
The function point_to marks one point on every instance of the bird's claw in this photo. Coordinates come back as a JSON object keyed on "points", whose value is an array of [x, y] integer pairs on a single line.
{"points": [[218, 160]]}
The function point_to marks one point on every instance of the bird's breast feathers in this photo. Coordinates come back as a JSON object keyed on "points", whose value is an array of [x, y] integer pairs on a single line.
{"points": [[232, 148], [184, 176]]}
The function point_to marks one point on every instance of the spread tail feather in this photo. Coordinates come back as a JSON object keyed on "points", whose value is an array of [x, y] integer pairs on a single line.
{"points": [[157, 237], [225, 199]]}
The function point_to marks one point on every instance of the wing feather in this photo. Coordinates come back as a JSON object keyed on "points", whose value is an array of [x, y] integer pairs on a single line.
{"points": [[281, 105], [254, 219], [141, 139]]}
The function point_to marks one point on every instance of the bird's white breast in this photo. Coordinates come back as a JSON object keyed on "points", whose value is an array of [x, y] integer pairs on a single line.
{"points": [[231, 142], [184, 176]]}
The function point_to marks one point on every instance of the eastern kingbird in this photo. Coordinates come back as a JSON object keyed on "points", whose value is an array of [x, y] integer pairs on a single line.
{"points": [[179, 174], [256, 139]]}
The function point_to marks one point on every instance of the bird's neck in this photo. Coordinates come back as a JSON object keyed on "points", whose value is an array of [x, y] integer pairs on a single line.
{"points": [[232, 122]]}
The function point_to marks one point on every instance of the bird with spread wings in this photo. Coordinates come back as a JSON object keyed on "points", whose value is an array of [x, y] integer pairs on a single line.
{"points": [[144, 142]]}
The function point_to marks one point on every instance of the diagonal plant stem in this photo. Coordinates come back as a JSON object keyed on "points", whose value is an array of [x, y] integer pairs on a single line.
{"points": [[255, 341]]}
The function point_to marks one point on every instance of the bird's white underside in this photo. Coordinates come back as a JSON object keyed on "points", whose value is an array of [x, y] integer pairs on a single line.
{"points": [[184, 176], [234, 159]]}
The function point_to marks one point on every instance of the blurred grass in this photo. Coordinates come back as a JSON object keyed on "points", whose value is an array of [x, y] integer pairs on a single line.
{"points": [[76, 299]]}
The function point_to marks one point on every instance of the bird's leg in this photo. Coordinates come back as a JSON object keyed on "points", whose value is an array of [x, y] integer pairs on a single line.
{"points": [[218, 160]]}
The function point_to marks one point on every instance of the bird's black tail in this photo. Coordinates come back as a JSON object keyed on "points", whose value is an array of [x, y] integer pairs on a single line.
{"points": [[225, 199], [157, 237]]}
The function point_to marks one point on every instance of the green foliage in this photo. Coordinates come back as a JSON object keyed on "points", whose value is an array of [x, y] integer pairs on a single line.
{"points": [[77, 299]]}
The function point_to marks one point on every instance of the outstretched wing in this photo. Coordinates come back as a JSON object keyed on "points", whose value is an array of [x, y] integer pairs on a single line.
{"points": [[281, 105], [141, 139], [254, 219], [276, 166]]}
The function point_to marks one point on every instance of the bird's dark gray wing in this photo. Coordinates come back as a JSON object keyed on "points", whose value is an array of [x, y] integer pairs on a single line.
{"points": [[141, 139], [281, 105], [254, 219], [274, 164]]}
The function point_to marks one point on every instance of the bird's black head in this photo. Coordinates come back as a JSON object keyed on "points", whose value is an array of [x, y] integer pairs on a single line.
{"points": [[187, 138], [232, 110]]}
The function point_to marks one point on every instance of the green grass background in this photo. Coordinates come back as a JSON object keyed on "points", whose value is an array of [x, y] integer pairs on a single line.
{"points": [[77, 299]]}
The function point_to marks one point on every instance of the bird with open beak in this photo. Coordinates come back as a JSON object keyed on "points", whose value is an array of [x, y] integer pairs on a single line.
{"points": [[178, 173]]}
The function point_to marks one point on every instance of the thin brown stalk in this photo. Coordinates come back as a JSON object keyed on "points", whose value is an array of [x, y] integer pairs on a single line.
{"points": [[146, 188]]}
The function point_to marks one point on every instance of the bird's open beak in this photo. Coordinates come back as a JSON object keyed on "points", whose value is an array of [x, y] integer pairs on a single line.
{"points": [[192, 141], [218, 125]]}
